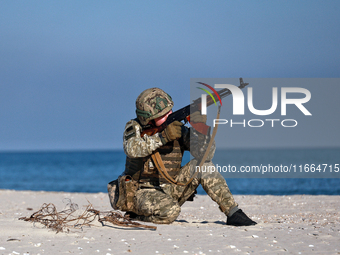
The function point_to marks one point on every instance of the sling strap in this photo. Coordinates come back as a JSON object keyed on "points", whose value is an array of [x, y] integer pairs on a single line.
{"points": [[156, 157]]}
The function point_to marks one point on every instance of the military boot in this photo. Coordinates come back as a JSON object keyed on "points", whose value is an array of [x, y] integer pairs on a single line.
{"points": [[131, 215], [239, 218], [135, 217]]}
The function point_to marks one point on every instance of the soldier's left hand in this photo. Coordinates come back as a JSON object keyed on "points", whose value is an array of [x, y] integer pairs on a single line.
{"points": [[197, 117]]}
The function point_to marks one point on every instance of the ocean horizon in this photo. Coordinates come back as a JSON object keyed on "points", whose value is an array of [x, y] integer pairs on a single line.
{"points": [[90, 171]]}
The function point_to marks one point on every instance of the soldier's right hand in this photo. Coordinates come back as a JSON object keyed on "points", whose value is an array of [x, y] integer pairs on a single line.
{"points": [[172, 132]]}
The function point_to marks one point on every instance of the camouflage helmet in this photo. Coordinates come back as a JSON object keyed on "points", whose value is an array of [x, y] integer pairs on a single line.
{"points": [[151, 104]]}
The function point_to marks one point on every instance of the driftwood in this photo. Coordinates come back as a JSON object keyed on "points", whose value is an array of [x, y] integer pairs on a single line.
{"points": [[62, 221]]}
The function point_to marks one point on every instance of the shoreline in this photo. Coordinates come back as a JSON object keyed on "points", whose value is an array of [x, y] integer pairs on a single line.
{"points": [[290, 224]]}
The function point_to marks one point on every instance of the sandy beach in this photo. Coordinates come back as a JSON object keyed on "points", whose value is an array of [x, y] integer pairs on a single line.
{"points": [[298, 224]]}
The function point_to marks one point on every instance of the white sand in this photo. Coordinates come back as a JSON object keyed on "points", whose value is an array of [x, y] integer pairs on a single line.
{"points": [[287, 225]]}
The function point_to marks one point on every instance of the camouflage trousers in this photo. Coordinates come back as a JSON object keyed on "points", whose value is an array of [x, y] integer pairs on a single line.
{"points": [[163, 205]]}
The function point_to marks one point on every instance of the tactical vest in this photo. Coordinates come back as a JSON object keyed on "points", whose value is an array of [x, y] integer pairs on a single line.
{"points": [[144, 169]]}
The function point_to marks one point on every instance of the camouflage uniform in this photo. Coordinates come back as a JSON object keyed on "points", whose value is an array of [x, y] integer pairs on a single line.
{"points": [[156, 200]]}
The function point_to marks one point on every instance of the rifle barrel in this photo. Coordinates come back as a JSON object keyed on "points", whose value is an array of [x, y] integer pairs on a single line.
{"points": [[182, 113]]}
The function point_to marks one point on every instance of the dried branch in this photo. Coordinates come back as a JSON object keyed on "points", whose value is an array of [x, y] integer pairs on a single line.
{"points": [[63, 220]]}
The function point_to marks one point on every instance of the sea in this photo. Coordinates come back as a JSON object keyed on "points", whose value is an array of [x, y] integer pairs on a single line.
{"points": [[90, 171]]}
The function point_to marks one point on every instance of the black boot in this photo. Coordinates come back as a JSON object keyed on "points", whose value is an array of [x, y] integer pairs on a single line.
{"points": [[131, 215], [239, 218], [135, 217]]}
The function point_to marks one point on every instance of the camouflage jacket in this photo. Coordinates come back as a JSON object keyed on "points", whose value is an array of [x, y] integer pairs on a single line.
{"points": [[139, 149]]}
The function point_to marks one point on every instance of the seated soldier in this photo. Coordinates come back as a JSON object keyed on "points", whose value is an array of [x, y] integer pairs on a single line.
{"points": [[150, 196]]}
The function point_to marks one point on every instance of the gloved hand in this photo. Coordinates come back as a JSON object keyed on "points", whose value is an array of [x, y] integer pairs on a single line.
{"points": [[172, 132], [197, 117]]}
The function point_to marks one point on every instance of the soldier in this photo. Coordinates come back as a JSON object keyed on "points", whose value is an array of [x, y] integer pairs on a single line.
{"points": [[147, 195]]}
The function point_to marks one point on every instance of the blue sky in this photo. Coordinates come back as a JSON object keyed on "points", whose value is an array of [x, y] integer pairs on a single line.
{"points": [[70, 71]]}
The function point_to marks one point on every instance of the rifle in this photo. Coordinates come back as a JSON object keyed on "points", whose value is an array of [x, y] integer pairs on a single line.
{"points": [[183, 114]]}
